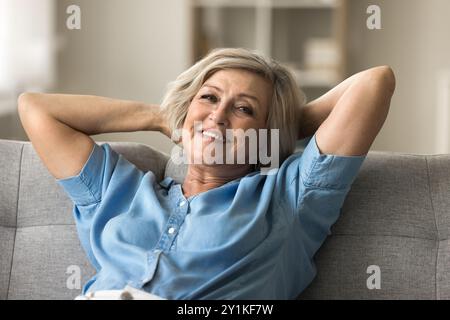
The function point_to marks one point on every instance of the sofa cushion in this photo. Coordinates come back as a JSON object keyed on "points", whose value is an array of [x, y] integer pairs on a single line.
{"points": [[390, 197], [41, 201], [407, 268], [439, 171], [10, 161], [43, 255], [7, 235]]}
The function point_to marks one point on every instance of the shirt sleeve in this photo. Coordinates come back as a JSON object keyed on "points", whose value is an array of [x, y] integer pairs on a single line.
{"points": [[103, 182], [318, 186], [327, 171], [87, 187]]}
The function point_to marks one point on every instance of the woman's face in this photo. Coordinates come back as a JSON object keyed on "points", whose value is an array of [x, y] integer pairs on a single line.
{"points": [[230, 99]]}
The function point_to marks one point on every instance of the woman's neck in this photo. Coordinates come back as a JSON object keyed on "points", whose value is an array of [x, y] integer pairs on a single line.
{"points": [[201, 178]]}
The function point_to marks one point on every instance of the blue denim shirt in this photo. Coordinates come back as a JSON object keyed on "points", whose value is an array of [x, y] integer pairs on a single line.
{"points": [[251, 238]]}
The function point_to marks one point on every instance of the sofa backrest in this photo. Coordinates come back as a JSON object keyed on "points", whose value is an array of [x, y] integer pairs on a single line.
{"points": [[40, 254], [394, 228], [395, 223]]}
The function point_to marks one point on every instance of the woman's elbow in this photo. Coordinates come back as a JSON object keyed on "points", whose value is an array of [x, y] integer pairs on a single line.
{"points": [[26, 100], [385, 77], [29, 108]]}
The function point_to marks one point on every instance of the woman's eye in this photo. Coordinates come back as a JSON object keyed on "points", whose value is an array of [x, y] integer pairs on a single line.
{"points": [[246, 110], [209, 97]]}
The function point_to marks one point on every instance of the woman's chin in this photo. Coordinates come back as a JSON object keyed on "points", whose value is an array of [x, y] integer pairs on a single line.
{"points": [[210, 154], [208, 160]]}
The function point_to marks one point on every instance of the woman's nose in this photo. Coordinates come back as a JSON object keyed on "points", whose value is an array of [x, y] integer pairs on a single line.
{"points": [[220, 115]]}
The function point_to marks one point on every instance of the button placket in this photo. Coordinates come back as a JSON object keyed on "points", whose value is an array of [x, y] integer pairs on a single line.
{"points": [[169, 233], [174, 222]]}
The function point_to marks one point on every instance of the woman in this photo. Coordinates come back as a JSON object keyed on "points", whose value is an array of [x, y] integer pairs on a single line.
{"points": [[228, 231]]}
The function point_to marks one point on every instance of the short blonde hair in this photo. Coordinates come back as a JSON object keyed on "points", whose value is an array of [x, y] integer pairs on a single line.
{"points": [[286, 99]]}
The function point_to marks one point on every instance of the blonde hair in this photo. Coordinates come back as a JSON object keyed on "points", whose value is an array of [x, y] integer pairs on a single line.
{"points": [[286, 99]]}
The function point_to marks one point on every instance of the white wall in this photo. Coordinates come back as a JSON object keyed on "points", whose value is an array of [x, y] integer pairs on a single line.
{"points": [[127, 50], [131, 50], [415, 41]]}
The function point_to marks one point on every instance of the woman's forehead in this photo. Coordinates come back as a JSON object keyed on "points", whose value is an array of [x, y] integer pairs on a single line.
{"points": [[232, 75], [241, 82]]}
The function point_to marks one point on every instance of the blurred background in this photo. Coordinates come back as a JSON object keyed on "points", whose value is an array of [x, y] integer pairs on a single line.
{"points": [[132, 49]]}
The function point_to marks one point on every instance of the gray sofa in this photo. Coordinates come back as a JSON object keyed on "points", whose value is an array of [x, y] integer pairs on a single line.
{"points": [[396, 217]]}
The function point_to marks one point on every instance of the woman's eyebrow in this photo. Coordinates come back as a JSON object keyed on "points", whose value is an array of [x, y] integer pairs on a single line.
{"points": [[240, 95], [214, 87]]}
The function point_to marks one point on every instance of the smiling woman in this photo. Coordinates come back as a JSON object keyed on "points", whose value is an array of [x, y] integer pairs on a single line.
{"points": [[227, 231], [223, 103], [270, 96]]}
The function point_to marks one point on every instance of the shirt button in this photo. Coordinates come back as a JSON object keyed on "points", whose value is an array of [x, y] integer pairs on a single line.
{"points": [[182, 203], [171, 230]]}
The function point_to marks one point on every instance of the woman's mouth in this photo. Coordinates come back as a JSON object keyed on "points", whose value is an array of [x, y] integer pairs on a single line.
{"points": [[213, 135]]}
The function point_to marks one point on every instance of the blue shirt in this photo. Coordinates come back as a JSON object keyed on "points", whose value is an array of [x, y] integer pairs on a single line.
{"points": [[251, 238]]}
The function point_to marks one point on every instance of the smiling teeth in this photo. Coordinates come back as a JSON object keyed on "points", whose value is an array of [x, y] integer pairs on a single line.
{"points": [[212, 135]]}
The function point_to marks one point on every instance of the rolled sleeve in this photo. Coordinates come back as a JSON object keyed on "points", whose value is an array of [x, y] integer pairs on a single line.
{"points": [[86, 188], [310, 171], [328, 171], [323, 184]]}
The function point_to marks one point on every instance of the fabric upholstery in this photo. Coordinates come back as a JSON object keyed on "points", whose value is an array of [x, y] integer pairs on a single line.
{"points": [[42, 257], [10, 162], [6, 252]]}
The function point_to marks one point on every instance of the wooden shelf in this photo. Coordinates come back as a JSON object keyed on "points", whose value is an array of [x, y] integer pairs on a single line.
{"points": [[280, 29]]}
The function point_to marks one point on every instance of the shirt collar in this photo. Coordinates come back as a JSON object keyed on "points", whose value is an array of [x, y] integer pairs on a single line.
{"points": [[166, 182]]}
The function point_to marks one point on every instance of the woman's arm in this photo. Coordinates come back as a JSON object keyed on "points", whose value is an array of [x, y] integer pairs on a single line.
{"points": [[348, 117], [59, 125], [314, 113]]}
